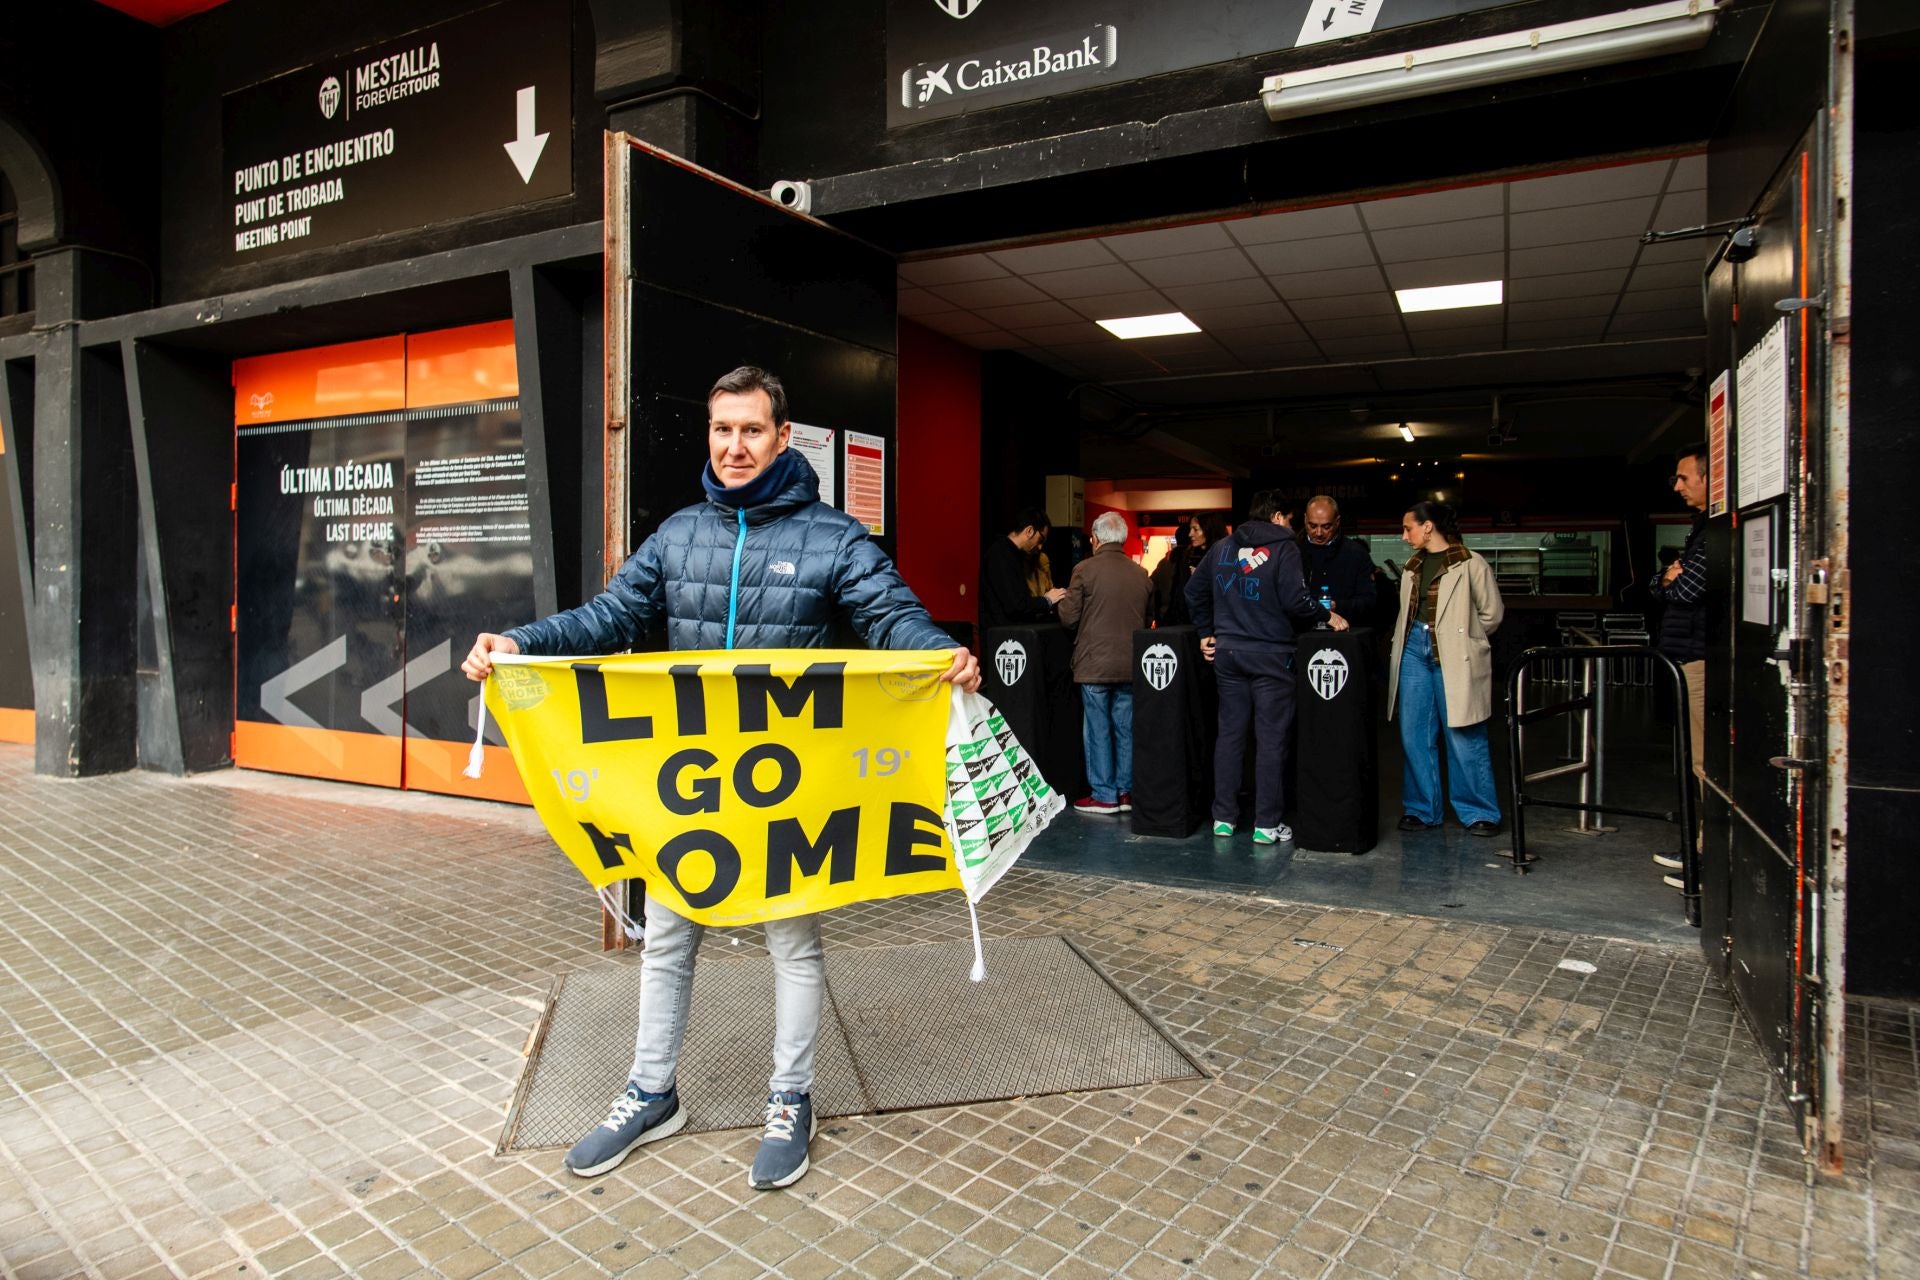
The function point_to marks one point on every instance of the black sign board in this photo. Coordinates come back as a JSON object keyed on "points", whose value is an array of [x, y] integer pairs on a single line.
{"points": [[470, 115], [949, 56]]}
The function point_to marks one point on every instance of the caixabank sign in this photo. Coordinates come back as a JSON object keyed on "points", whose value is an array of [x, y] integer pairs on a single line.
{"points": [[945, 57], [463, 117]]}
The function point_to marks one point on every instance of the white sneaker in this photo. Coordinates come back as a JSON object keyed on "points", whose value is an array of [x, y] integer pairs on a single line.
{"points": [[1674, 882], [1671, 861], [1282, 834]]}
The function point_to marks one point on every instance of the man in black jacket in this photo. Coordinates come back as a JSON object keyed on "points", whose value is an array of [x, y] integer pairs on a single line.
{"points": [[1339, 571], [1004, 598], [1682, 588], [1244, 597]]}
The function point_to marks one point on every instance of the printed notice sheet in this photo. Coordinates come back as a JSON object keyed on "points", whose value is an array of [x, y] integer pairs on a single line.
{"points": [[1760, 417], [816, 445], [866, 499], [1717, 447]]}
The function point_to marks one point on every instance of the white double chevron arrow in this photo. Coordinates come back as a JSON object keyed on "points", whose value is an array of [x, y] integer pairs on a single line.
{"points": [[276, 691], [376, 704], [525, 149]]}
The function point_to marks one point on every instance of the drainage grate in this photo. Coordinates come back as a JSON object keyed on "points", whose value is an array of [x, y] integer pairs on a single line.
{"points": [[902, 1028]]}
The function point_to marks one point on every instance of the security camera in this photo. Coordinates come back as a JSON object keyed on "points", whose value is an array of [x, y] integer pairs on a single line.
{"points": [[797, 196]]}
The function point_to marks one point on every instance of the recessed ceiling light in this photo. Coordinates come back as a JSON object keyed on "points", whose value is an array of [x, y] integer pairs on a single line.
{"points": [[1406, 433], [1148, 326], [1446, 297]]}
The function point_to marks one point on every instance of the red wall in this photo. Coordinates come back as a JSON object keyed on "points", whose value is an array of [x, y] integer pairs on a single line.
{"points": [[938, 472]]}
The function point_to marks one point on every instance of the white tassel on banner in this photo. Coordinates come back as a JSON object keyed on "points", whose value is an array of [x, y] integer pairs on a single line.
{"points": [[979, 972], [612, 899], [477, 757]]}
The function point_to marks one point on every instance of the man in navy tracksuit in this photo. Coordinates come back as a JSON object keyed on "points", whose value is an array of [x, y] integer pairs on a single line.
{"points": [[1244, 598]]}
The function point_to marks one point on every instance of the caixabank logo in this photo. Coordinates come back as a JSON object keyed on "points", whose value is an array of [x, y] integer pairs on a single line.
{"points": [[1068, 57]]}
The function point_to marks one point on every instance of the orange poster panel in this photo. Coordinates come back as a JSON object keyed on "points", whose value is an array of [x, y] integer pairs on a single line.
{"points": [[460, 366], [321, 382], [17, 726], [370, 758], [440, 767]]}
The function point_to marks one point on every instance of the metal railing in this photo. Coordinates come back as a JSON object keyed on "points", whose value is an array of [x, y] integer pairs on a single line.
{"points": [[1592, 662]]}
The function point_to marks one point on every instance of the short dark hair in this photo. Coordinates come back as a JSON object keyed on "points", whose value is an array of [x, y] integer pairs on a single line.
{"points": [[1265, 505], [1031, 518], [1693, 451], [748, 378]]}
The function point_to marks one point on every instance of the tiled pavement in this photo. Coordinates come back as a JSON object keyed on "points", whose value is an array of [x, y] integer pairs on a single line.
{"points": [[260, 1027]]}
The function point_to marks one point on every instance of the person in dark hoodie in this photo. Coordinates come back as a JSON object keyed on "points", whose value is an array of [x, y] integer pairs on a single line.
{"points": [[761, 564], [1245, 598]]}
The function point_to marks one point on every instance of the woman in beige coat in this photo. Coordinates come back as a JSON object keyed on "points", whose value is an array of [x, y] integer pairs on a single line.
{"points": [[1441, 676]]}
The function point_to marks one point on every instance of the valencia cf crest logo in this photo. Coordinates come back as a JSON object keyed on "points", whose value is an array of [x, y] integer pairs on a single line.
{"points": [[957, 8], [1158, 664], [1010, 661], [329, 96], [1327, 673]]}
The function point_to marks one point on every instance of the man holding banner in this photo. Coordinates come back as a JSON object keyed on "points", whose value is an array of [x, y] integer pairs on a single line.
{"points": [[762, 564]]}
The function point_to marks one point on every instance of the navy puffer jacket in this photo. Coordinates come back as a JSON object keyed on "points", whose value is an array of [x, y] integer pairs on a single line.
{"points": [[770, 576]]}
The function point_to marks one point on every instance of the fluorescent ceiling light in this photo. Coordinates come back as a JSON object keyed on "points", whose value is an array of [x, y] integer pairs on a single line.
{"points": [[1406, 433], [1677, 26], [1148, 326], [1447, 297]]}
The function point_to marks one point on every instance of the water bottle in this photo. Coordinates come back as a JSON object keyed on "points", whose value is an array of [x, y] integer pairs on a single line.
{"points": [[1326, 602]]}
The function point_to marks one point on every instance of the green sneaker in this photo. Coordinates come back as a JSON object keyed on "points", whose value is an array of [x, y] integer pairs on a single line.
{"points": [[1222, 829]]}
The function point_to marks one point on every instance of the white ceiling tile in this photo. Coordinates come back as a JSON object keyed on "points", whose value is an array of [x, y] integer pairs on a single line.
{"points": [[1680, 209], [956, 324], [1575, 284], [1107, 306], [1641, 300], [1442, 240], [1156, 347], [1196, 268], [1560, 259], [1382, 347], [1027, 314], [969, 266], [1439, 271], [1689, 174], [1169, 240], [1431, 322], [1339, 307], [1086, 282], [1298, 224], [1220, 319], [1226, 293], [1356, 327], [1596, 307], [1582, 222], [1590, 186], [1326, 284], [1047, 335], [918, 302], [1289, 257], [1053, 257], [1666, 275], [1434, 206], [1003, 292]]}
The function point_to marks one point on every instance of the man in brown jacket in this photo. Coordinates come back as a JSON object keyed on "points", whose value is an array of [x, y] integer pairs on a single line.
{"points": [[1108, 599]]}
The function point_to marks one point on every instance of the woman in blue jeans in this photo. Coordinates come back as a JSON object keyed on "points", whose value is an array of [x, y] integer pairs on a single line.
{"points": [[1440, 678]]}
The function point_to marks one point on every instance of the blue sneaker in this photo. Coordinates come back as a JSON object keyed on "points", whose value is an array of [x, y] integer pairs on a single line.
{"points": [[637, 1117], [782, 1157]]}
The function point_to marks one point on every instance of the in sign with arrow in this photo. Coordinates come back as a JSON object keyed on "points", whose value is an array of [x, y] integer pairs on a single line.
{"points": [[527, 145], [1339, 19]]}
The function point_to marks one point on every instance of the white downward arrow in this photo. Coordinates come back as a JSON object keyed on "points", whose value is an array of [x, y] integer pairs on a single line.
{"points": [[525, 150]]}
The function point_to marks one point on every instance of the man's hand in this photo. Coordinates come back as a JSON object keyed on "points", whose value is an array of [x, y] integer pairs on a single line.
{"points": [[479, 663], [964, 672], [1673, 571], [1056, 595], [1207, 645], [1337, 622]]}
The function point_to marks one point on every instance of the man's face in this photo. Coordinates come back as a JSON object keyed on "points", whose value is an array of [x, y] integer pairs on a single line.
{"points": [[1690, 482], [1029, 539], [1322, 523], [742, 437]]}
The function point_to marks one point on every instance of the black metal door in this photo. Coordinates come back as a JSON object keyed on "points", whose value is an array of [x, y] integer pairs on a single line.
{"points": [[1766, 718]]}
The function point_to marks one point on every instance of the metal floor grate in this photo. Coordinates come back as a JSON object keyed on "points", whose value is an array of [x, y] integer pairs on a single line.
{"points": [[903, 1027]]}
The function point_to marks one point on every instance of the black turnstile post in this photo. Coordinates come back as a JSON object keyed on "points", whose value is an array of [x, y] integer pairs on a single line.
{"points": [[1027, 672], [1337, 808], [1173, 729]]}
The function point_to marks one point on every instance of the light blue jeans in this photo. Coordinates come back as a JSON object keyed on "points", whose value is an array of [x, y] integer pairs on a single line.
{"points": [[1106, 735], [666, 990], [1423, 724]]}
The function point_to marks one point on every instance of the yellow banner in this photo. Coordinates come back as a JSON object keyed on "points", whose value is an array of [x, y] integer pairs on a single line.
{"points": [[744, 785]]}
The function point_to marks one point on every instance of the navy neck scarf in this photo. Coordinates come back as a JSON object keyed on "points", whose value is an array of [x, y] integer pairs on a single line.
{"points": [[763, 488]]}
